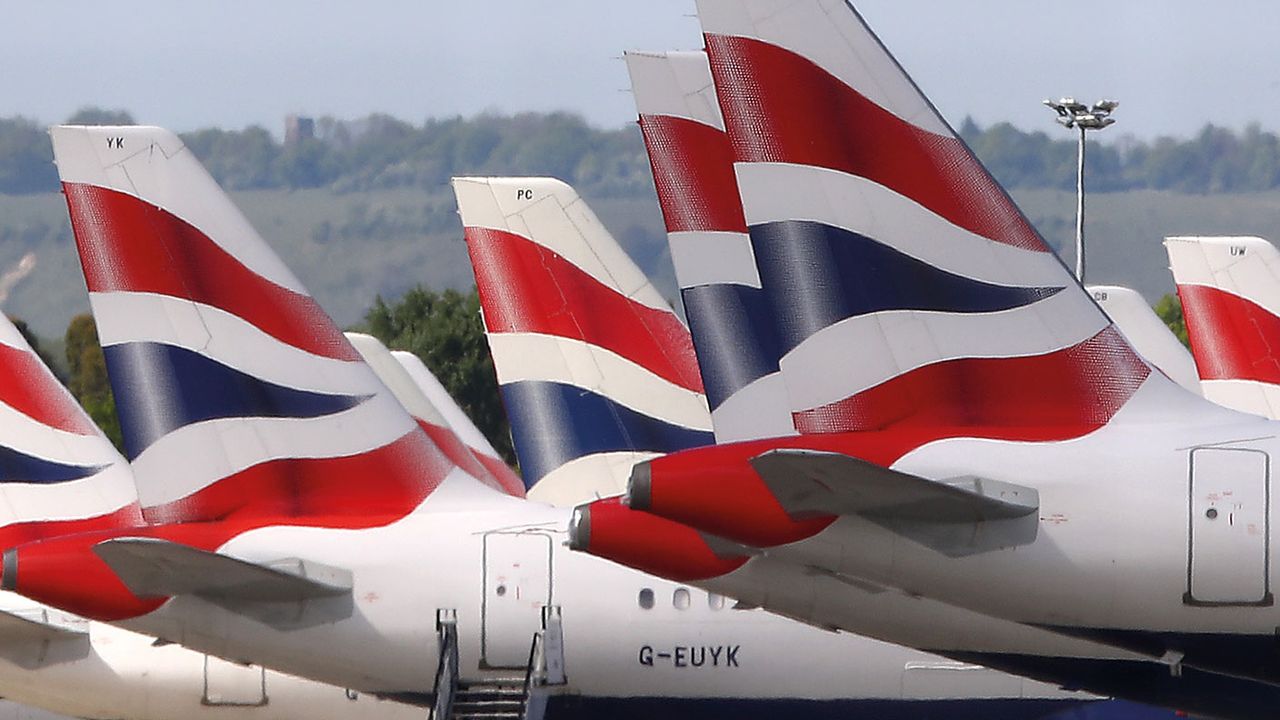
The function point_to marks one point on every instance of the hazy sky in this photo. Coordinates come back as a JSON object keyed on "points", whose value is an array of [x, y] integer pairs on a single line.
{"points": [[1173, 64]]}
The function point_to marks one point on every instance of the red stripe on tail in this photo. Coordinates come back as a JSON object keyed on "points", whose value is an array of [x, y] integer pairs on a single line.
{"points": [[1063, 394], [781, 107], [693, 171], [1232, 338], [129, 245], [27, 386], [364, 490], [526, 288]]}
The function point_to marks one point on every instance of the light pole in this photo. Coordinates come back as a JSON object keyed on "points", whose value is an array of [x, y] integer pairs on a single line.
{"points": [[1077, 115]]}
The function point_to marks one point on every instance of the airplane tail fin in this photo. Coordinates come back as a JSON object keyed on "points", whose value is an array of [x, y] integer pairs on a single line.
{"points": [[1147, 333], [458, 421], [59, 474], [237, 395], [407, 386], [692, 165], [596, 370], [1230, 293], [902, 282]]}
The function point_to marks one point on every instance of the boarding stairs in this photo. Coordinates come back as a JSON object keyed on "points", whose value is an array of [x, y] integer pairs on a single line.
{"points": [[499, 698]]}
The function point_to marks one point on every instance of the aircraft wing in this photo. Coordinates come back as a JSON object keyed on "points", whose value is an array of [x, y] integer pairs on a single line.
{"points": [[30, 641], [283, 593], [944, 514]]}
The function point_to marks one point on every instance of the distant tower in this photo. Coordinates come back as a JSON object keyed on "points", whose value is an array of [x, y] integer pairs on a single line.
{"points": [[298, 128]]}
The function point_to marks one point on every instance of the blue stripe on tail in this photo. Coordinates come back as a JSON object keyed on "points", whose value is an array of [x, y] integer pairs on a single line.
{"points": [[553, 423], [159, 388], [816, 275], [19, 467], [734, 334]]}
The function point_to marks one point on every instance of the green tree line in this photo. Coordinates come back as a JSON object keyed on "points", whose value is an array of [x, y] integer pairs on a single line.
{"points": [[374, 152], [380, 151]]}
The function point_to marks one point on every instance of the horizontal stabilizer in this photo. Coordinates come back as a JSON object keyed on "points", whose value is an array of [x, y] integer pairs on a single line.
{"points": [[958, 516], [30, 640], [808, 483], [286, 593]]}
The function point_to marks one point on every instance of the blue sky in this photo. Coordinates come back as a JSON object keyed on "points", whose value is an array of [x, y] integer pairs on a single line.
{"points": [[1173, 64]]}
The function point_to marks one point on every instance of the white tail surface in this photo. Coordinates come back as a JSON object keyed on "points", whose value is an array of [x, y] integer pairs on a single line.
{"points": [[1147, 333], [457, 420]]}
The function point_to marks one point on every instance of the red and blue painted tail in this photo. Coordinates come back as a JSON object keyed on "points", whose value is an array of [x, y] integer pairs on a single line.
{"points": [[905, 289], [237, 395], [456, 419], [738, 350], [596, 371], [58, 473], [414, 386]]}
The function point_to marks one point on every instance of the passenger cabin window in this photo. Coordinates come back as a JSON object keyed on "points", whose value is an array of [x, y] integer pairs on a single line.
{"points": [[680, 598], [646, 599], [715, 602]]}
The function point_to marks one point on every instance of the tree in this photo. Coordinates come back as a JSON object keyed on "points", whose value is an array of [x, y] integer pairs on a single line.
{"points": [[1169, 308], [444, 329], [88, 376]]}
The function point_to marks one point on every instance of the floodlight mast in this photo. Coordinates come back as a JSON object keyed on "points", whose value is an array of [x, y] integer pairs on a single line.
{"points": [[1077, 115]]}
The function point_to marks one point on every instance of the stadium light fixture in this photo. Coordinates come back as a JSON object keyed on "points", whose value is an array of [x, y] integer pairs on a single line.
{"points": [[1075, 115]]}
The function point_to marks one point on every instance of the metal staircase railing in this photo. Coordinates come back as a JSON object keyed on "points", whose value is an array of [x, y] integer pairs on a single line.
{"points": [[499, 699], [446, 682]]}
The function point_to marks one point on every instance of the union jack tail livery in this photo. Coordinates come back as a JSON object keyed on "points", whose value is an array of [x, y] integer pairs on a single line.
{"points": [[408, 387], [902, 282], [715, 265], [910, 300], [458, 421], [237, 395], [1230, 292], [1147, 333], [588, 393], [58, 473]]}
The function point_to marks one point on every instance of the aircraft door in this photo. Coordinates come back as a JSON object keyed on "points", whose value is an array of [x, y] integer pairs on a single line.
{"points": [[233, 684], [517, 584], [1228, 559]]}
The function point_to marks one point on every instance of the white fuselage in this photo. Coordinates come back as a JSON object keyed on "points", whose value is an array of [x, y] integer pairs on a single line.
{"points": [[1152, 534], [125, 675], [496, 562]]}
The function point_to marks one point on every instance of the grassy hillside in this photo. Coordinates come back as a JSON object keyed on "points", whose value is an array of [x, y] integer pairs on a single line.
{"points": [[349, 247], [1124, 230]]}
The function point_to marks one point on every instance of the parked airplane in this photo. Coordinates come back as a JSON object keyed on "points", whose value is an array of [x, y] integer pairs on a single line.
{"points": [[248, 416], [673, 93], [1230, 293], [614, 355], [60, 474], [978, 356]]}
